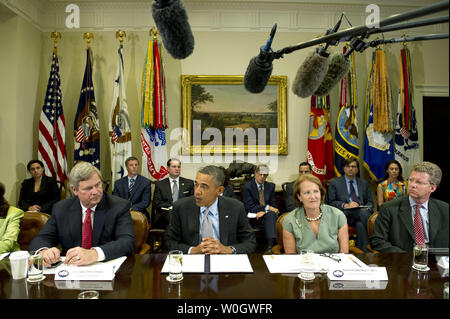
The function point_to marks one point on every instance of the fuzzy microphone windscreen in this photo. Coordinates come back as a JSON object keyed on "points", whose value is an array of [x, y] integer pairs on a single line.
{"points": [[172, 22], [338, 68], [310, 74], [257, 75]]}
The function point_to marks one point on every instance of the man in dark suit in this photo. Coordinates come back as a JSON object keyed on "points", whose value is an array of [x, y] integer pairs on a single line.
{"points": [[259, 198], [351, 194], [303, 168], [416, 218], [208, 223], [92, 226], [134, 187], [167, 191]]}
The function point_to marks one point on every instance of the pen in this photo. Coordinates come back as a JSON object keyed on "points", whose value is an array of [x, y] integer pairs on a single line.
{"points": [[354, 261]]}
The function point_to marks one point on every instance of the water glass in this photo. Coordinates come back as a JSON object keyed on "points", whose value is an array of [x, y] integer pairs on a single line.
{"points": [[35, 269], [420, 259], [306, 265], [175, 266], [90, 294]]}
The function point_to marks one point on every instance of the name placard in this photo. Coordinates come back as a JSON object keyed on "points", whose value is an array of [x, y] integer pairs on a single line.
{"points": [[97, 272], [369, 273]]}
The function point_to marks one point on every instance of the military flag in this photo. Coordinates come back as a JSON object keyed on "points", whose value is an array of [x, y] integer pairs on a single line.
{"points": [[119, 125], [52, 126], [320, 140], [153, 114], [406, 133], [378, 148], [86, 125], [346, 135]]}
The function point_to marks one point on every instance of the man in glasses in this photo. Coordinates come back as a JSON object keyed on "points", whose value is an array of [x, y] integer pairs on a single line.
{"points": [[351, 194], [416, 218]]}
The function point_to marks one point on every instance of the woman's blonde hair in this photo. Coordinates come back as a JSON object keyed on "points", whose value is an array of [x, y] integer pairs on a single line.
{"points": [[310, 178]]}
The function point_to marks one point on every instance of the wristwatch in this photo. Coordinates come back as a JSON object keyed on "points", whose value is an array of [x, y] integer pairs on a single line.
{"points": [[233, 249]]}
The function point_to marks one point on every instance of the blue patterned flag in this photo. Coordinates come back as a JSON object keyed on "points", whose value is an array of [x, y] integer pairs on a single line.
{"points": [[52, 127], [119, 125], [378, 148], [86, 125], [346, 136]]}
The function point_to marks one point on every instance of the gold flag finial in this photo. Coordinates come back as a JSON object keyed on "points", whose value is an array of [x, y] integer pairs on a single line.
{"points": [[121, 34], [154, 33], [55, 35], [88, 36]]}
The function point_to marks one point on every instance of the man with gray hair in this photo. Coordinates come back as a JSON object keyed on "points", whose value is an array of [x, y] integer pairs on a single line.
{"points": [[92, 226], [208, 223], [416, 218]]}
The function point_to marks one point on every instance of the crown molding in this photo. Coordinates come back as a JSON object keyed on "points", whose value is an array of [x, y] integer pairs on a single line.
{"points": [[214, 15]]}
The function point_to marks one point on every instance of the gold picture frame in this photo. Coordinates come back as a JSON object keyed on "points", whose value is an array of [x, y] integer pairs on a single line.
{"points": [[221, 105]]}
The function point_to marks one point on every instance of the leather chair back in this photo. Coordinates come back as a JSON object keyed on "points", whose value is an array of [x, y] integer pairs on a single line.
{"points": [[30, 225], [278, 248], [140, 224]]}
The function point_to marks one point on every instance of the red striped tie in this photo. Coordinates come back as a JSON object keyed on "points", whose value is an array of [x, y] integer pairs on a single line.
{"points": [[87, 231], [418, 227]]}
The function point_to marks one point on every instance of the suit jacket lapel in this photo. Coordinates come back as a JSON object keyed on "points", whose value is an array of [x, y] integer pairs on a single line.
{"points": [[168, 189], [223, 222], [99, 221], [434, 219], [344, 187], [75, 222], [193, 221], [406, 218]]}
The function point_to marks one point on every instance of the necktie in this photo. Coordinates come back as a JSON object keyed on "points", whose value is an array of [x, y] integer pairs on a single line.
{"points": [[86, 241], [261, 196], [353, 193], [130, 187], [207, 230], [418, 226], [175, 191]]}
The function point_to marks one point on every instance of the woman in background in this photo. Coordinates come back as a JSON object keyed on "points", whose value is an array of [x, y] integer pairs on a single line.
{"points": [[9, 224], [393, 186], [40, 192], [314, 225]]}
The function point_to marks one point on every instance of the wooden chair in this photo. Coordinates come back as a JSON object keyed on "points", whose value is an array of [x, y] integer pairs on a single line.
{"points": [[30, 225], [278, 248], [140, 224], [370, 226]]}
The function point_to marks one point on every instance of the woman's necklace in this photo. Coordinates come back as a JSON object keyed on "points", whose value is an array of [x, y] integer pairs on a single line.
{"points": [[313, 219]]}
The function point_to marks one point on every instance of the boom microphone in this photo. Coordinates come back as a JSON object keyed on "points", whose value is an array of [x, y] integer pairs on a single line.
{"points": [[338, 68], [172, 22], [260, 67], [314, 69]]}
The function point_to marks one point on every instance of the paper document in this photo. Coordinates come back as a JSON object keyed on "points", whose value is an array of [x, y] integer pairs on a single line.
{"points": [[230, 263], [321, 264], [191, 264], [251, 215], [365, 274]]}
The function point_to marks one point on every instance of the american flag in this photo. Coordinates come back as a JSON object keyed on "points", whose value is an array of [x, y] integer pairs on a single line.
{"points": [[52, 127], [116, 134], [405, 133]]}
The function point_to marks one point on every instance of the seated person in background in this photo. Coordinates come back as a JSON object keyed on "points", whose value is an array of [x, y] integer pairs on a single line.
{"points": [[303, 168], [314, 225], [393, 186], [40, 192], [9, 224], [259, 198], [413, 219], [228, 189], [348, 193], [92, 226], [208, 223], [167, 191], [134, 187]]}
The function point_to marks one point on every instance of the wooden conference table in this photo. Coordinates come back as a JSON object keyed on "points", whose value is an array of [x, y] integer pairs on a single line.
{"points": [[140, 278]]}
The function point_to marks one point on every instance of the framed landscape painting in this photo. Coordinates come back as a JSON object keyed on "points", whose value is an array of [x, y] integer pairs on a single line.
{"points": [[221, 116]]}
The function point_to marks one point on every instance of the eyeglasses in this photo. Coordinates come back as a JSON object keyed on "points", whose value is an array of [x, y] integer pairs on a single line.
{"points": [[331, 256], [352, 166], [420, 183]]}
